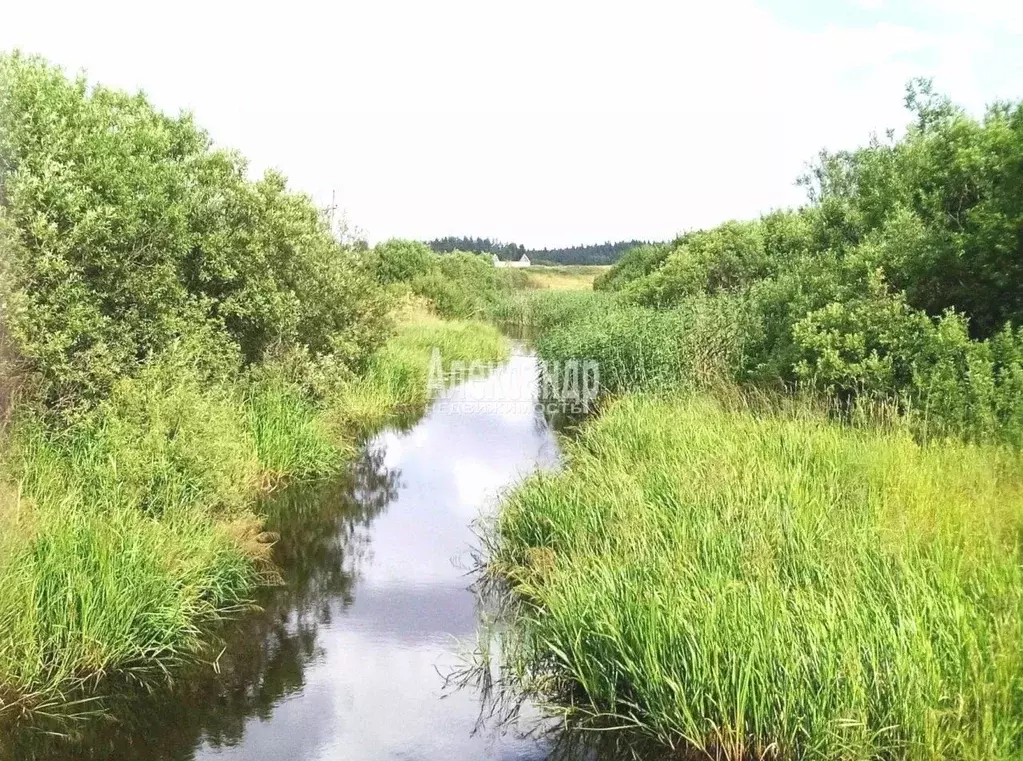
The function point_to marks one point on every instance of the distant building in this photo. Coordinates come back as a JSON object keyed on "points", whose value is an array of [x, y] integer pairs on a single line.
{"points": [[522, 262]]}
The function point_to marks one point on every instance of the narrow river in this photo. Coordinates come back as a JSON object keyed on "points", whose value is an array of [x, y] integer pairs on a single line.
{"points": [[348, 659]]}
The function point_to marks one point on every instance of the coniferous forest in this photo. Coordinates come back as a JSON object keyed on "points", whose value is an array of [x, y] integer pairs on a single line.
{"points": [[593, 254]]}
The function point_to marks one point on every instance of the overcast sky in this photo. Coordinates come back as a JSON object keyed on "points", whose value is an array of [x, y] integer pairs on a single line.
{"points": [[541, 122]]}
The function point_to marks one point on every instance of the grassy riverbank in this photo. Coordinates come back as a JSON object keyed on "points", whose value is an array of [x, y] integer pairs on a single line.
{"points": [[756, 584], [126, 538], [176, 339]]}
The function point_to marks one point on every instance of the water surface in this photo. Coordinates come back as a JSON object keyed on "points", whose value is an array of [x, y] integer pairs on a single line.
{"points": [[348, 659]]}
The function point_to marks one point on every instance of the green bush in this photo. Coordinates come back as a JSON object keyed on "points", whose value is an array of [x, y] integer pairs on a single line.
{"points": [[457, 284], [460, 285], [127, 231], [401, 261], [635, 263], [953, 180], [864, 344], [892, 284]]}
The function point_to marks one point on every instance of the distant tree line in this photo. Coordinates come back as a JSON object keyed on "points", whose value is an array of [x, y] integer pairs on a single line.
{"points": [[596, 253], [480, 246]]}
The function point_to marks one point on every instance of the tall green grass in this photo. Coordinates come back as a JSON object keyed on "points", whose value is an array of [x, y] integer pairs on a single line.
{"points": [[126, 536], [751, 585], [697, 344], [106, 565], [395, 386], [541, 310], [292, 439]]}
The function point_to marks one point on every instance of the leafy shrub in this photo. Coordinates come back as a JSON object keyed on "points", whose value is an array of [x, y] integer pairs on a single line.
{"points": [[893, 282], [401, 261], [862, 345], [635, 263], [516, 279], [877, 346], [459, 285], [128, 231], [969, 388], [10, 365]]}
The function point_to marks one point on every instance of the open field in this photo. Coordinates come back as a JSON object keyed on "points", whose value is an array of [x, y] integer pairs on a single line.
{"points": [[559, 278]]}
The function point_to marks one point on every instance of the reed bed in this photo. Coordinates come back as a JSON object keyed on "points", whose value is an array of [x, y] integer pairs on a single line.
{"points": [[737, 584]]}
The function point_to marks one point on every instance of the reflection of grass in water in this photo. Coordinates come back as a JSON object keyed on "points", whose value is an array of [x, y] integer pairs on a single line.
{"points": [[750, 585], [258, 659], [395, 389], [510, 699], [134, 532]]}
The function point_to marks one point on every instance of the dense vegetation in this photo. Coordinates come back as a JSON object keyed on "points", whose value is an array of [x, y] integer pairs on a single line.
{"points": [[459, 284], [899, 282], [127, 232], [757, 585], [593, 254], [175, 339], [795, 530]]}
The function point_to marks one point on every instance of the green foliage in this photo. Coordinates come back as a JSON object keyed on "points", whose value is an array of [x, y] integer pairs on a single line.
{"points": [[893, 282], [634, 264], [195, 332], [459, 285], [129, 534], [92, 587], [128, 231], [953, 180], [401, 261], [865, 344], [9, 360], [292, 441], [542, 310], [721, 260], [697, 345], [758, 586], [163, 440], [396, 385]]}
